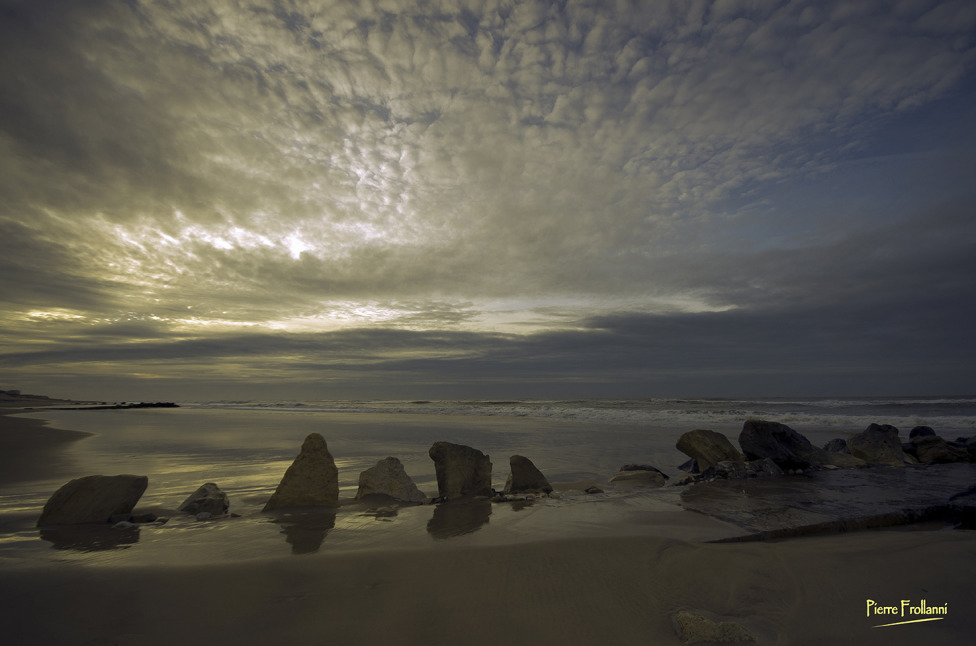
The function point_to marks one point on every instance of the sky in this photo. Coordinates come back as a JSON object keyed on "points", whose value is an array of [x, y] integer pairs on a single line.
{"points": [[254, 199]]}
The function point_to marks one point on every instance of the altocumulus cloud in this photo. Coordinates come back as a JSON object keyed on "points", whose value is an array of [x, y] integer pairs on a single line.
{"points": [[639, 196]]}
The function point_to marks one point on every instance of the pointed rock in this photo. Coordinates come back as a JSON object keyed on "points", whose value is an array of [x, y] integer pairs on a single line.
{"points": [[207, 499], [388, 478], [312, 480], [525, 477], [93, 499], [461, 470]]}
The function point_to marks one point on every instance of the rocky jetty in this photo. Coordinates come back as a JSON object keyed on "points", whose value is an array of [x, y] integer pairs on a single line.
{"points": [[312, 480], [708, 448], [461, 470], [639, 475], [93, 499], [208, 499], [389, 479], [525, 477]]}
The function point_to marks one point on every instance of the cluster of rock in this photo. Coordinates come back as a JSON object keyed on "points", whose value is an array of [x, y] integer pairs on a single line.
{"points": [[771, 448], [312, 480]]}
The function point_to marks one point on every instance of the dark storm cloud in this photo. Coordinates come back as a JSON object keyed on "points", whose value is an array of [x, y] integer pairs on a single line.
{"points": [[473, 187]]}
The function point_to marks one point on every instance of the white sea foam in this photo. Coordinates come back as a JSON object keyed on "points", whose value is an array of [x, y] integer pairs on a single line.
{"points": [[949, 414]]}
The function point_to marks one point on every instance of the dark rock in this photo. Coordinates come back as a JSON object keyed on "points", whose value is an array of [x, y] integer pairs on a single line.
{"points": [[639, 475], [461, 470], [920, 431], [525, 477], [93, 499], [837, 445], [878, 443], [312, 480], [932, 449], [690, 466], [593, 490], [780, 443], [388, 478], [708, 448], [208, 498]]}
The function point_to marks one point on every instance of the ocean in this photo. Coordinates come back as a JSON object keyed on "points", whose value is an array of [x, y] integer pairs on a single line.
{"points": [[245, 447]]}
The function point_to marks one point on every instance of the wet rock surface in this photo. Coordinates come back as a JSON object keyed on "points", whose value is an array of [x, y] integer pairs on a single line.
{"points": [[835, 500]]}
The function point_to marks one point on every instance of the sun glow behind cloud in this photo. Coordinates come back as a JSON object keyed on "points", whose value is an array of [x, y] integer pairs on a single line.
{"points": [[191, 171]]}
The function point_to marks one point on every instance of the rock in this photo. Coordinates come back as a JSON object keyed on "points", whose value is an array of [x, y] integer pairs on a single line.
{"points": [[312, 480], [932, 449], [920, 431], [93, 499], [837, 445], [732, 470], [708, 448], [784, 446], [593, 490], [461, 470], [878, 443], [525, 477], [693, 628], [208, 498], [143, 519], [388, 478], [690, 466], [639, 475], [204, 515]]}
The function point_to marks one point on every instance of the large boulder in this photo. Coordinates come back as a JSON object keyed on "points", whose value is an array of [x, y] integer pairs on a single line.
{"points": [[878, 443], [639, 475], [208, 499], [760, 439], [708, 448], [525, 477], [388, 478], [312, 480], [932, 449], [93, 499], [461, 470]]}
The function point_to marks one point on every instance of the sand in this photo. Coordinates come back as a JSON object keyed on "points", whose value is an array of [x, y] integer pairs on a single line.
{"points": [[537, 589]]}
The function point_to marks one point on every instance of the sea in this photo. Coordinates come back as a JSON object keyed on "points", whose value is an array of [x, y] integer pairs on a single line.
{"points": [[245, 447]]}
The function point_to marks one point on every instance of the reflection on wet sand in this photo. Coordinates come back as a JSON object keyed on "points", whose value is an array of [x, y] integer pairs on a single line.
{"points": [[306, 531], [90, 538], [456, 518]]}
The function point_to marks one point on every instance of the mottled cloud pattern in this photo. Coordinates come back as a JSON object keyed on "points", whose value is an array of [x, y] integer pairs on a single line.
{"points": [[366, 198]]}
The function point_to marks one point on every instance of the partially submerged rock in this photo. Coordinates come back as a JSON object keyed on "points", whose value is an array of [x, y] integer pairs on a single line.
{"points": [[525, 477], [93, 499], [461, 470], [788, 449], [932, 449], [389, 479], [639, 475], [878, 443], [693, 628], [312, 480], [207, 499], [760, 439], [708, 448]]}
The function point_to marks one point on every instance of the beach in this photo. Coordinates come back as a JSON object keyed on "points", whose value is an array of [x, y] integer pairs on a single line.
{"points": [[574, 569]]}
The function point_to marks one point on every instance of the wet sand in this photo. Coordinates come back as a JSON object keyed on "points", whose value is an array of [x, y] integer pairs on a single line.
{"points": [[587, 591], [600, 572], [30, 449]]}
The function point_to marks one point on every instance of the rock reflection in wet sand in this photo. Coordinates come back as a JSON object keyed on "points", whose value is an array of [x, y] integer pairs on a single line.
{"points": [[305, 532], [90, 538], [456, 518]]}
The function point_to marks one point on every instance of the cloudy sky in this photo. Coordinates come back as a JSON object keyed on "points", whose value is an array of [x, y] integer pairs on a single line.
{"points": [[234, 199]]}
